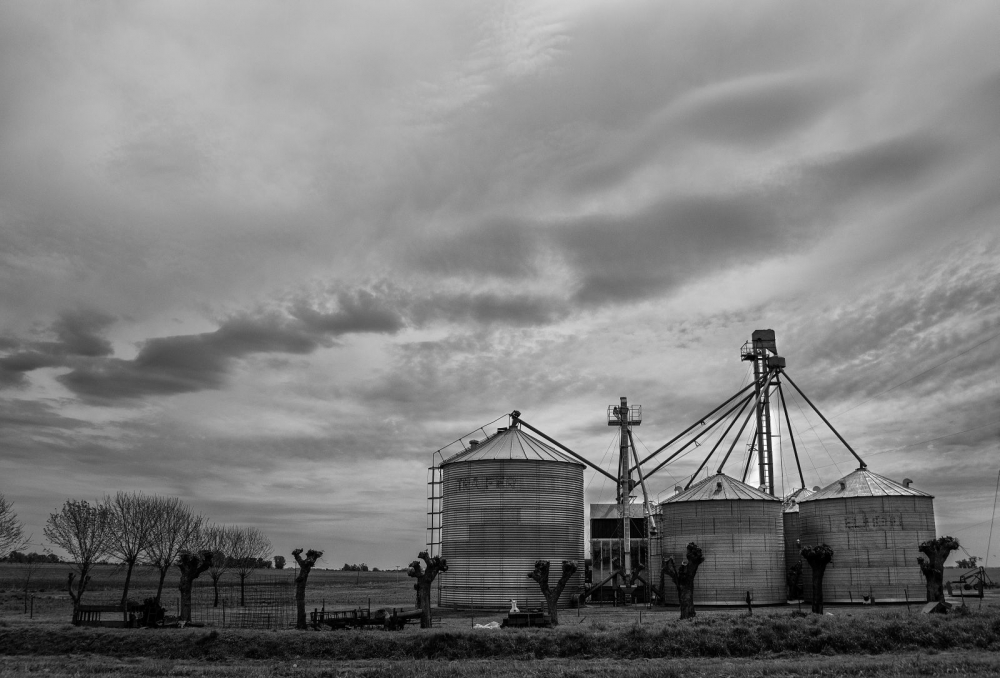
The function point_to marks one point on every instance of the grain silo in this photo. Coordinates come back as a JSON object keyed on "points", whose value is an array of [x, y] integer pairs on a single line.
{"points": [[739, 529], [506, 502], [874, 526], [790, 519]]}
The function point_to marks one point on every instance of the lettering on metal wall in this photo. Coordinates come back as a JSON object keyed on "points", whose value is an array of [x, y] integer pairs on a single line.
{"points": [[487, 483], [873, 521]]}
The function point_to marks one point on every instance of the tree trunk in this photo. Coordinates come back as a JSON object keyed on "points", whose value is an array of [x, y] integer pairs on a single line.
{"points": [[424, 595], [159, 586], [191, 566], [243, 601], [683, 578], [937, 552], [128, 580], [305, 566], [424, 578], [685, 594], [818, 558], [541, 575], [215, 589], [184, 587], [817, 582]]}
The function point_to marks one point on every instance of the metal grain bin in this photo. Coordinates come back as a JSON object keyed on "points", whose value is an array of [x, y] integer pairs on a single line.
{"points": [[790, 518], [739, 530], [874, 525], [507, 502]]}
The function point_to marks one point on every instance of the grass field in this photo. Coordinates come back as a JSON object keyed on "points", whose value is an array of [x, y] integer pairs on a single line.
{"points": [[594, 641]]}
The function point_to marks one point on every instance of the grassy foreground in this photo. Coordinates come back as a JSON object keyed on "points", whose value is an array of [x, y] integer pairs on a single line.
{"points": [[952, 664], [721, 636]]}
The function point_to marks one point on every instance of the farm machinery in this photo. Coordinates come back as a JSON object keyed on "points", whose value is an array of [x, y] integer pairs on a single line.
{"points": [[360, 618]]}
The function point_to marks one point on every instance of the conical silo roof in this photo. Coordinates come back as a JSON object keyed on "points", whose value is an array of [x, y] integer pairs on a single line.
{"points": [[720, 487], [790, 504], [864, 483], [511, 444]]}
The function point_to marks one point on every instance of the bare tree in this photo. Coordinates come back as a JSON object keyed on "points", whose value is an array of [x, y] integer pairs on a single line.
{"points": [[818, 558], [191, 566], [305, 566], [11, 529], [249, 547], [937, 551], [541, 575], [83, 531], [132, 516], [219, 540], [175, 529], [424, 578], [683, 578]]}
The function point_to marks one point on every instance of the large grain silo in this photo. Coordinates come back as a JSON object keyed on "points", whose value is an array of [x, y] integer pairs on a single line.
{"points": [[790, 519], [874, 526], [507, 502], [739, 529]]}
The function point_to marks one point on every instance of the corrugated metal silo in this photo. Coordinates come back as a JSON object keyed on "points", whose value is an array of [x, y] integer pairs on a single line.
{"points": [[507, 502], [790, 518], [739, 530], [874, 526]]}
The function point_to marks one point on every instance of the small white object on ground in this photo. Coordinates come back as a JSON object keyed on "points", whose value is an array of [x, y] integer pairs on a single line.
{"points": [[491, 625]]}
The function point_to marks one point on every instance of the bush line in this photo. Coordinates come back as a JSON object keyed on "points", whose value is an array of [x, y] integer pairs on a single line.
{"points": [[734, 636]]}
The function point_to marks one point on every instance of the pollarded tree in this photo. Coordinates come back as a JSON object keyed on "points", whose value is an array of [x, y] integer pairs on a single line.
{"points": [[818, 558], [305, 566], [191, 566], [541, 575], [683, 578], [83, 531], [175, 529], [937, 552], [11, 529], [424, 578], [249, 546], [132, 517]]}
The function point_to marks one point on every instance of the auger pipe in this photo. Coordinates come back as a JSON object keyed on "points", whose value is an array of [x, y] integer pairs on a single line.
{"points": [[795, 451], [688, 429], [642, 481], [746, 469], [564, 448], [735, 440], [816, 410], [728, 429], [700, 434]]}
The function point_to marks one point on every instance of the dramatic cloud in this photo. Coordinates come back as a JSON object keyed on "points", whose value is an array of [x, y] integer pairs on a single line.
{"points": [[289, 252]]}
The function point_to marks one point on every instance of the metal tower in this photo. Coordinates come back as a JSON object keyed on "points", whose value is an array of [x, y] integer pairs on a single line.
{"points": [[763, 352]]}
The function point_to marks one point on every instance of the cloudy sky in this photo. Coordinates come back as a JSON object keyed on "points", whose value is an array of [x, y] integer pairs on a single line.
{"points": [[269, 257]]}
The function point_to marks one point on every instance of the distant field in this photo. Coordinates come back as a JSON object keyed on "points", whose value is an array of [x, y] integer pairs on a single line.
{"points": [[333, 589]]}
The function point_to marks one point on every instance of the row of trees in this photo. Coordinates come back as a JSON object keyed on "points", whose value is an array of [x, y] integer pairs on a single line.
{"points": [[12, 537], [133, 528]]}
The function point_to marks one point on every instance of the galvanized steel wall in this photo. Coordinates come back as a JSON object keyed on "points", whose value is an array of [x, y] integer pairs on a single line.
{"points": [[743, 545], [874, 542], [498, 517]]}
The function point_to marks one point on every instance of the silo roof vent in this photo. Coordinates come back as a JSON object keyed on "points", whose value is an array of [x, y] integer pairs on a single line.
{"points": [[473, 443], [678, 489], [907, 482]]}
